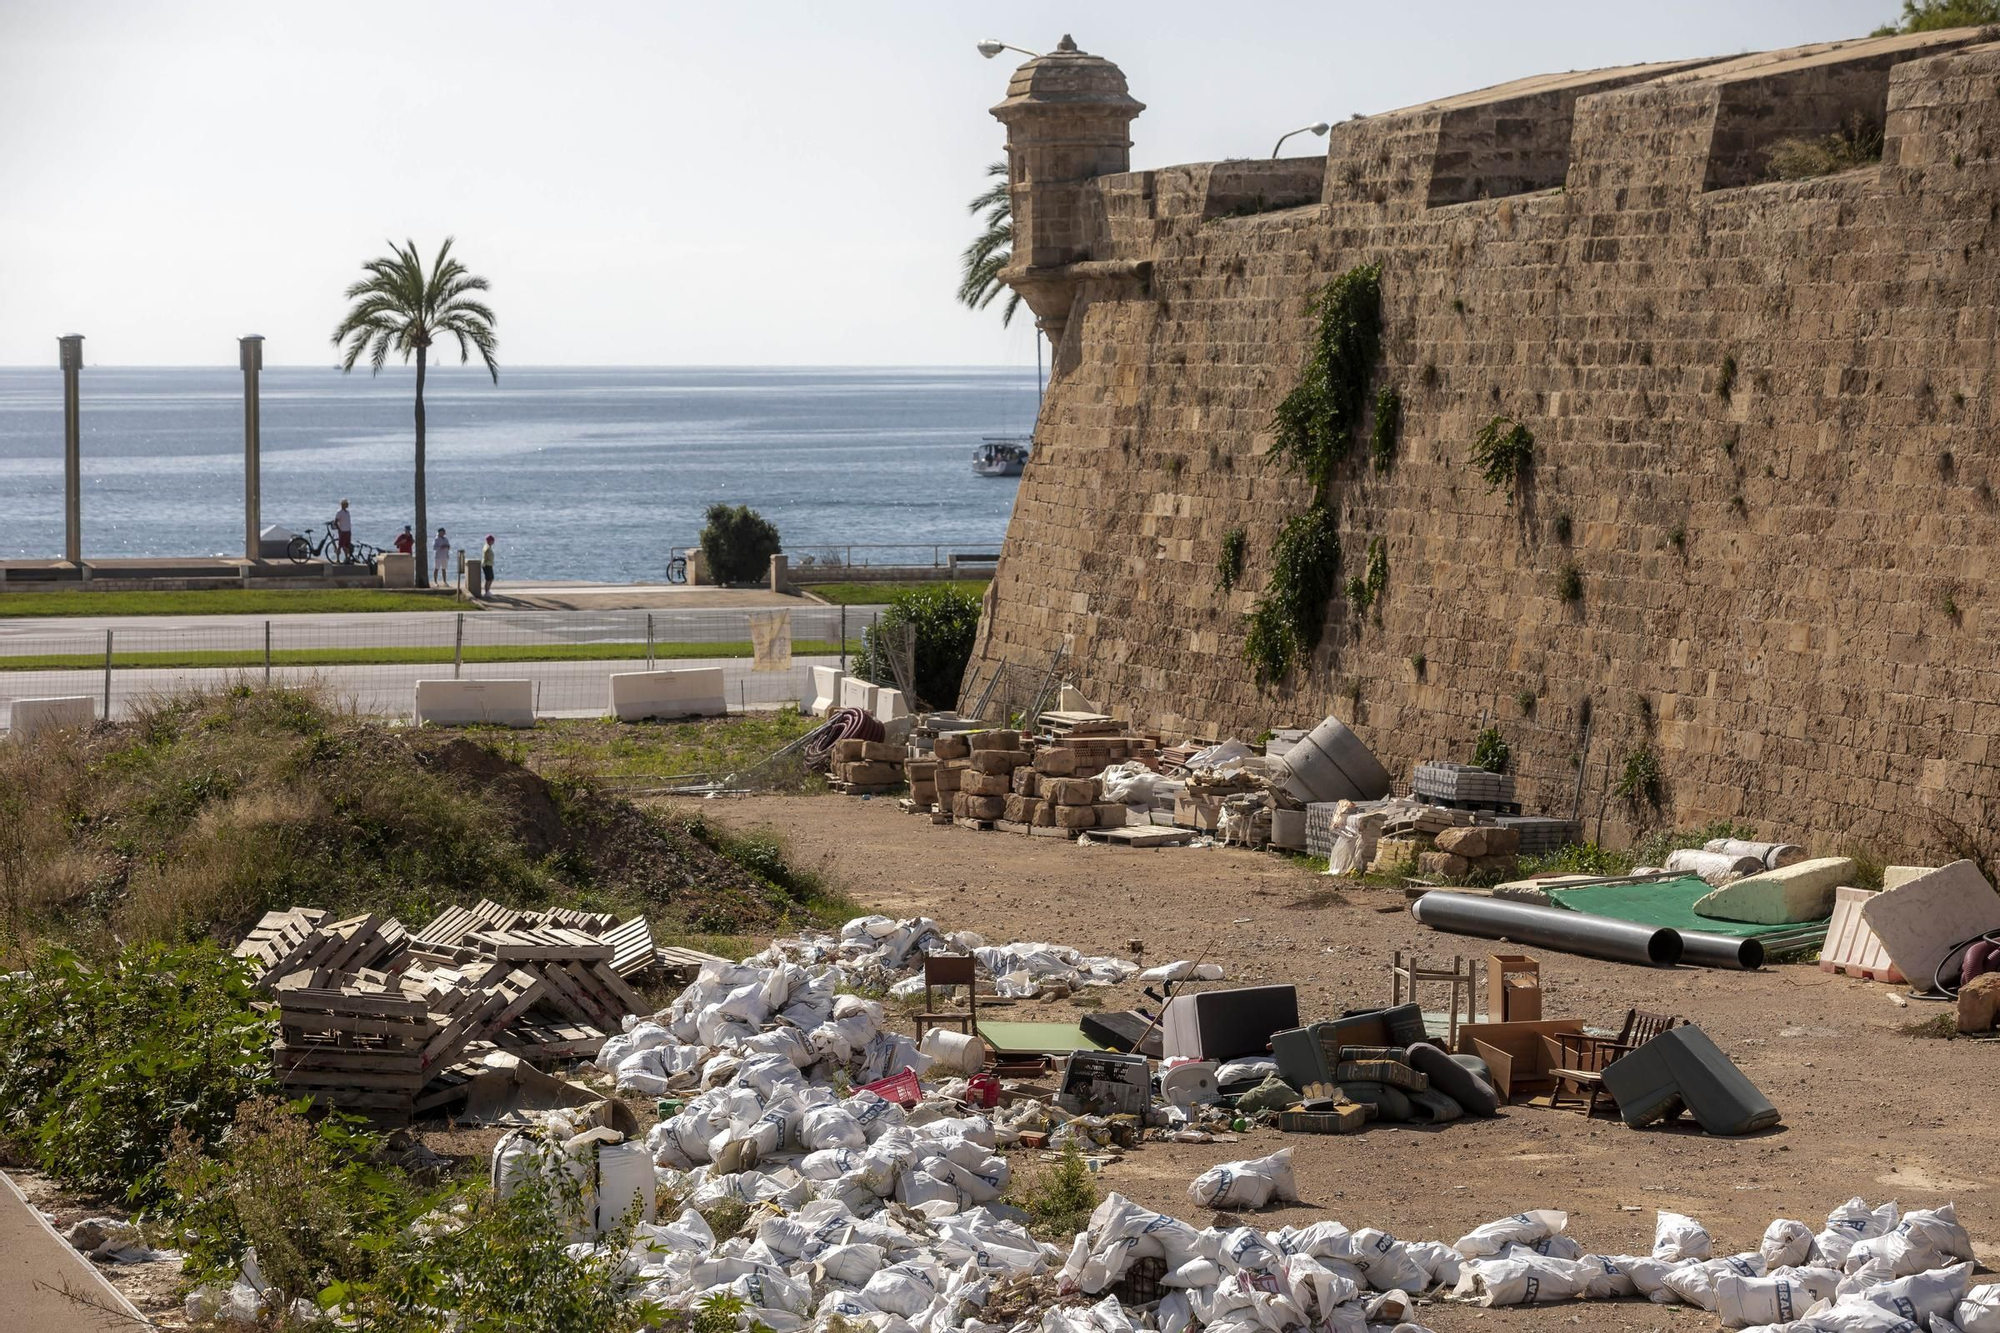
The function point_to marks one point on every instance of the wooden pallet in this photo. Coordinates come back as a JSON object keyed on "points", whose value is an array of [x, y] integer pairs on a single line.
{"points": [[866, 788], [632, 948], [683, 965], [1139, 835], [978, 825]]}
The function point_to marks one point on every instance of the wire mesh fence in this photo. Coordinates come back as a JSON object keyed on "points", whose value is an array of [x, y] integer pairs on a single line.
{"points": [[372, 663]]}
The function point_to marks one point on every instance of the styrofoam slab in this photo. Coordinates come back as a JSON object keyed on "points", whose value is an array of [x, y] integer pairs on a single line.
{"points": [[1920, 921]]}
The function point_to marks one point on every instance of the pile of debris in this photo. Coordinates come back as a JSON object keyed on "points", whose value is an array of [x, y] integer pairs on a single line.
{"points": [[377, 1019]]}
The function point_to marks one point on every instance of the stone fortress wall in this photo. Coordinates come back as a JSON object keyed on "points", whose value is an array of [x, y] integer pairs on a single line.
{"points": [[1763, 415]]}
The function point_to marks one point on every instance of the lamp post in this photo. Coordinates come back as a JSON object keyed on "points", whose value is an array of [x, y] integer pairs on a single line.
{"points": [[72, 361], [1319, 127], [991, 46], [250, 351]]}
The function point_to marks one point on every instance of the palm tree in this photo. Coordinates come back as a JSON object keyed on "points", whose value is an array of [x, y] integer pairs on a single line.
{"points": [[397, 308], [992, 251]]}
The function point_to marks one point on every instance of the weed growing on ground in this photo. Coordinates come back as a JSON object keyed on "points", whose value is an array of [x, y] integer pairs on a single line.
{"points": [[1654, 848], [1578, 858], [1058, 1197]]}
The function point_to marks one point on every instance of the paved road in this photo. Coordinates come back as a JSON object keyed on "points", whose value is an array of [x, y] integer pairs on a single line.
{"points": [[379, 629], [572, 689], [32, 1261]]}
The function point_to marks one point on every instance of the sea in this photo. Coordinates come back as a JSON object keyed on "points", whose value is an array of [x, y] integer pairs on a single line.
{"points": [[579, 473]]}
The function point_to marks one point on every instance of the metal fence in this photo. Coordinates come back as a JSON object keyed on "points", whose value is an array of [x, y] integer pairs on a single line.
{"points": [[371, 663]]}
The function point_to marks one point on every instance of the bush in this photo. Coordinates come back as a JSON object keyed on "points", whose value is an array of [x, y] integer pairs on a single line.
{"points": [[1856, 144], [1285, 626], [1491, 751], [1503, 451], [101, 1067], [1058, 1198], [737, 545], [944, 619]]}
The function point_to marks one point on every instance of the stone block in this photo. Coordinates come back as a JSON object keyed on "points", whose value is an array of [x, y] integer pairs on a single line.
{"points": [[997, 761], [1042, 814], [920, 770], [1978, 1001], [1018, 808], [883, 751], [1027, 782], [985, 807], [1111, 814], [985, 784], [1055, 760], [1445, 864], [28, 717], [848, 750], [1465, 842], [947, 775], [923, 793], [396, 570], [464, 703], [1073, 791], [951, 745], [1000, 738], [869, 773], [1802, 891], [1076, 816], [1503, 842], [690, 692]]}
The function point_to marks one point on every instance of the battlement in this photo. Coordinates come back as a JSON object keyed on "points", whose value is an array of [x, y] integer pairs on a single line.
{"points": [[1763, 414]]}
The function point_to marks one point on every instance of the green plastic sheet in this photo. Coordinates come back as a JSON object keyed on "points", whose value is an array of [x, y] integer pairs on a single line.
{"points": [[1668, 902]]}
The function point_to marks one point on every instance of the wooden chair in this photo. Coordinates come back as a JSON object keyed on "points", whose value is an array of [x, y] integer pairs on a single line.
{"points": [[948, 970], [1463, 979], [1577, 1060]]}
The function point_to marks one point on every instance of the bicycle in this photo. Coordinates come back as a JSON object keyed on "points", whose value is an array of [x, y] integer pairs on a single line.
{"points": [[677, 567], [327, 548]]}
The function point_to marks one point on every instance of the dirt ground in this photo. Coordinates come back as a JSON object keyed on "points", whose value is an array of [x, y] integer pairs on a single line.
{"points": [[1867, 1109]]}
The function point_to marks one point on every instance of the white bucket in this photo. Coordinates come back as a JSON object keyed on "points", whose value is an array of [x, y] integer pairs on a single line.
{"points": [[954, 1050]]}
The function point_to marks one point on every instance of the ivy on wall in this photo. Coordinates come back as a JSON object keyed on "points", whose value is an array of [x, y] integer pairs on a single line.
{"points": [[1284, 627], [1316, 421]]}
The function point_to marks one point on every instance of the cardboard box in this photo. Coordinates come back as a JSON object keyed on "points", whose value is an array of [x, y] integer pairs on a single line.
{"points": [[1513, 988], [1516, 1053]]}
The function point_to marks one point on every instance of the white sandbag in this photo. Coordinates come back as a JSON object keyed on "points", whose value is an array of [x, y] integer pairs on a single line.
{"points": [[1649, 1275], [1786, 1243], [1925, 1238], [1317, 1288], [1779, 1298], [1387, 1266], [1677, 1236], [1523, 1281], [1244, 1249], [1492, 1237], [1250, 1184], [1917, 1296], [1851, 1222], [1979, 1311], [830, 1127], [1549, 1247], [1843, 1318], [906, 1289], [1695, 1282], [1441, 1260], [1182, 971], [1608, 1277]]}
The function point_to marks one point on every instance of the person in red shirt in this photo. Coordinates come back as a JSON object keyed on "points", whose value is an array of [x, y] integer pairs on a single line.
{"points": [[405, 542]]}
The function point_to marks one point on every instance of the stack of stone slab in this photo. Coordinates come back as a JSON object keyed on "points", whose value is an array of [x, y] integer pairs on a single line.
{"points": [[1463, 787], [977, 769], [377, 1019], [1474, 849], [867, 768]]}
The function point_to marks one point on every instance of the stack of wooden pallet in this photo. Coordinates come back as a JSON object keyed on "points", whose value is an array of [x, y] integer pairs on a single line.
{"points": [[378, 1019]]}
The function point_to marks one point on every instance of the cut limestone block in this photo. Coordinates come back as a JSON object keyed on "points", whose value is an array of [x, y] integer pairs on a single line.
{"points": [[1110, 815], [948, 775], [1895, 877], [1076, 816], [883, 752], [849, 751], [923, 793], [920, 770], [465, 703], [1073, 791], [1018, 808], [1919, 922], [688, 692], [985, 807], [985, 784], [951, 745], [28, 716], [869, 773], [1802, 891], [1448, 864], [997, 739], [1465, 842], [997, 761], [1027, 782], [1056, 761]]}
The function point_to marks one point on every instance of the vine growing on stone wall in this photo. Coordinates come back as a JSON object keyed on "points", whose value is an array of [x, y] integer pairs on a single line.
{"points": [[1503, 451], [1285, 625], [1388, 423], [1315, 423], [1229, 567]]}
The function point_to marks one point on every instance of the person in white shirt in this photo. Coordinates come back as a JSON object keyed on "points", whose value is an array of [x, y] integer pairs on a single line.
{"points": [[440, 558], [343, 529]]}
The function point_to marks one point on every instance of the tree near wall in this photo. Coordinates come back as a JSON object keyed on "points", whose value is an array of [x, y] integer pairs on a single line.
{"points": [[944, 619], [738, 543], [990, 251], [1933, 15]]}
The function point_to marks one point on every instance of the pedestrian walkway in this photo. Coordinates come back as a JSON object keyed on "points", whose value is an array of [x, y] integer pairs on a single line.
{"points": [[37, 1265]]}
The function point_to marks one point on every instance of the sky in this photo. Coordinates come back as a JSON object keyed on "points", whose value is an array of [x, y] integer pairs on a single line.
{"points": [[771, 183]]}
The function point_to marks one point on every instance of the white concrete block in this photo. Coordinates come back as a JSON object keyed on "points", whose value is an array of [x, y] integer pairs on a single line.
{"points": [[28, 716], [857, 693], [690, 692], [461, 703], [889, 704], [826, 690], [1919, 921]]}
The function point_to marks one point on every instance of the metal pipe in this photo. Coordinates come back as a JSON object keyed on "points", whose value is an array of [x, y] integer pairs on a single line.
{"points": [[250, 353], [72, 361], [1699, 948], [1549, 928]]}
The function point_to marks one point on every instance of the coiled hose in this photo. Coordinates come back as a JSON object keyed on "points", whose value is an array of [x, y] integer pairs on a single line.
{"points": [[843, 724]]}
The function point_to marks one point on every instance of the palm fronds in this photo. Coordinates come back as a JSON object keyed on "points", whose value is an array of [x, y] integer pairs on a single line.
{"points": [[401, 309], [992, 250]]}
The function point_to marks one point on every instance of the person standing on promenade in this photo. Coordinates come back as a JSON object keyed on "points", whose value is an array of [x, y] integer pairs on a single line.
{"points": [[486, 565], [440, 558], [343, 530], [405, 541]]}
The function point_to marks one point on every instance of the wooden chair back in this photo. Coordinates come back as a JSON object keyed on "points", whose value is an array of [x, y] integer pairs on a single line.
{"points": [[948, 970], [1642, 1025]]}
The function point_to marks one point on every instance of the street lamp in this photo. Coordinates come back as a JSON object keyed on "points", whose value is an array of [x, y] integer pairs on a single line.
{"points": [[992, 46], [1317, 127]]}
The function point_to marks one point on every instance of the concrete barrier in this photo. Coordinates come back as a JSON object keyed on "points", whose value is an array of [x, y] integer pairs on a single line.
{"points": [[856, 693], [462, 703], [692, 692], [889, 704], [26, 717], [826, 690]]}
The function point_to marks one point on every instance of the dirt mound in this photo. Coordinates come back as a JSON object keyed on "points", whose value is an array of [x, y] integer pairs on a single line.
{"points": [[209, 810]]}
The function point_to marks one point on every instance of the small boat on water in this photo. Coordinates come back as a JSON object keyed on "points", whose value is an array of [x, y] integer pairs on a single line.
{"points": [[1000, 456]]}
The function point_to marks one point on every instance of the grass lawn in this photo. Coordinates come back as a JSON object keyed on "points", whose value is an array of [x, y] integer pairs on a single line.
{"points": [[224, 602], [606, 749], [872, 594], [420, 656]]}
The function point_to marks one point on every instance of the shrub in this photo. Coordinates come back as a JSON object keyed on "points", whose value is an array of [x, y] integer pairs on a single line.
{"points": [[1388, 424], [1569, 584], [1577, 858], [1229, 566], [1058, 1198], [737, 545], [1284, 628], [100, 1067], [1315, 423], [1503, 451], [1491, 751], [1856, 144], [1640, 782], [944, 620]]}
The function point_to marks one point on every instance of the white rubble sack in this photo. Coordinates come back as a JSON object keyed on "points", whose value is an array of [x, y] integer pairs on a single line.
{"points": [[1250, 1184]]}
